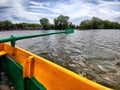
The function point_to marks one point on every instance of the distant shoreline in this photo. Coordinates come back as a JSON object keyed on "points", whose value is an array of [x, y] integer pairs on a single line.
{"points": [[22, 29]]}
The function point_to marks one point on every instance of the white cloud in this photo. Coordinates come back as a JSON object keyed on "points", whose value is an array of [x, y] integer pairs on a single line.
{"points": [[3, 1], [77, 10], [108, 10], [39, 3], [74, 10]]}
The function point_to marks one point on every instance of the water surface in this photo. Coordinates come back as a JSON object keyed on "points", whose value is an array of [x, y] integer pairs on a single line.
{"points": [[94, 54]]}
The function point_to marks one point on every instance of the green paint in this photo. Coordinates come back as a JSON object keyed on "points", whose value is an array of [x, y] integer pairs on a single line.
{"points": [[32, 84], [69, 31], [14, 71], [13, 39]]}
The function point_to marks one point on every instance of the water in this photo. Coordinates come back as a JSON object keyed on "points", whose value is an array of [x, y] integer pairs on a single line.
{"points": [[94, 54]]}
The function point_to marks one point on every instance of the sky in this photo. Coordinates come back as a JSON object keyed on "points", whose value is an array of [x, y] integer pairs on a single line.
{"points": [[31, 11]]}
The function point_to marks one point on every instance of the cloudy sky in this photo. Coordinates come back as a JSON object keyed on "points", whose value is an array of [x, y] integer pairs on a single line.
{"points": [[33, 10]]}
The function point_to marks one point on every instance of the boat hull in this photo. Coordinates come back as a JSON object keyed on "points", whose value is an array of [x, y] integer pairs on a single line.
{"points": [[28, 71]]}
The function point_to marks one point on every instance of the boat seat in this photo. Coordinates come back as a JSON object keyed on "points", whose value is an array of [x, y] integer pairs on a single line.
{"points": [[2, 53]]}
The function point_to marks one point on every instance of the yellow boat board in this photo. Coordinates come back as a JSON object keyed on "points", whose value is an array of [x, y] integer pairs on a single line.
{"points": [[49, 74]]}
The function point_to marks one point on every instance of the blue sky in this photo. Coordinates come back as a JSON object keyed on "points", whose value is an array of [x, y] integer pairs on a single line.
{"points": [[31, 11]]}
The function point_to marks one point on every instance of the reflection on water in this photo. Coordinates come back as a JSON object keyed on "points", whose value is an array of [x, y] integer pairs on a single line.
{"points": [[94, 54]]}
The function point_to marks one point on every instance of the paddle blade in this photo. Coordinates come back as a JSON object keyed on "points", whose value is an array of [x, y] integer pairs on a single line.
{"points": [[68, 31]]}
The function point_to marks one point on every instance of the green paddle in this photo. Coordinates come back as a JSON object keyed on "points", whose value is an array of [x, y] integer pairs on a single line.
{"points": [[13, 39]]}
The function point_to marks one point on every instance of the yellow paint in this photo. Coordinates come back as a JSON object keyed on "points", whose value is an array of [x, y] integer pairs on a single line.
{"points": [[2, 53], [28, 67], [51, 75]]}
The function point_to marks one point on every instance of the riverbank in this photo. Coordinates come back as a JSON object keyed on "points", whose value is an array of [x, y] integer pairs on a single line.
{"points": [[22, 29]]}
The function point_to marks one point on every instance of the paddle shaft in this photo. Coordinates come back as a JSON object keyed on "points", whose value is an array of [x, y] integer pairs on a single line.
{"points": [[13, 39]]}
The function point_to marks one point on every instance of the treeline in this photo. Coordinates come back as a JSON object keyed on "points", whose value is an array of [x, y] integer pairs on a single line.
{"points": [[8, 25], [97, 23], [61, 22]]}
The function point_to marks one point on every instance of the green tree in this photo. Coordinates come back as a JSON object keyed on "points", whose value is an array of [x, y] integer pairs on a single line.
{"points": [[45, 23], [13, 26], [61, 22], [86, 24], [1, 25], [31, 26], [7, 25], [70, 25], [20, 25], [97, 23], [117, 25], [106, 24], [52, 26]]}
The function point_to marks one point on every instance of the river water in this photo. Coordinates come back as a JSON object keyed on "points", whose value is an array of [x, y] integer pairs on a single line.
{"points": [[94, 54]]}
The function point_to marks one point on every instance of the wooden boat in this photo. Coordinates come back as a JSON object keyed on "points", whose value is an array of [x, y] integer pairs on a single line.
{"points": [[28, 71]]}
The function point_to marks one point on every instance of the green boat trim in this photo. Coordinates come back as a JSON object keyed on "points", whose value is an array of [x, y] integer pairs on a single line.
{"points": [[15, 73]]}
